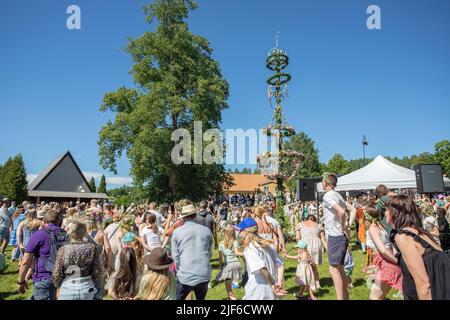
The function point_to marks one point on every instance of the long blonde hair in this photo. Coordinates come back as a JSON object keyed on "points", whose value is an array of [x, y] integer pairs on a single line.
{"points": [[252, 237], [31, 222], [157, 285], [229, 236], [76, 230]]}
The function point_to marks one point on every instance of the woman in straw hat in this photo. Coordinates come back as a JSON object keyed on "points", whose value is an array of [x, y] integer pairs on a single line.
{"points": [[158, 283]]}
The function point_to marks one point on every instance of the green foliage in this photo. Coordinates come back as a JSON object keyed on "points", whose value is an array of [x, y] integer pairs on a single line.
{"points": [[310, 167], [102, 185], [357, 164], [92, 186], [178, 82], [338, 165], [13, 183], [442, 156]]}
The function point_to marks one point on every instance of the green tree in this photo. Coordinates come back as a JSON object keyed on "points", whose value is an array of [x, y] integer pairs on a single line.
{"points": [[423, 158], [92, 186], [357, 164], [301, 142], [442, 156], [14, 183], [236, 170], [177, 83], [102, 185], [256, 171], [338, 165], [310, 166]]}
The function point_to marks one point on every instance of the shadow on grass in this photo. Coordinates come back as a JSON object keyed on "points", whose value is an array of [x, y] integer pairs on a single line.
{"points": [[359, 282]]}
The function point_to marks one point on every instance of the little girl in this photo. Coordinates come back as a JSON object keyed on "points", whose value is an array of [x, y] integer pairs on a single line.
{"points": [[305, 276], [230, 266]]}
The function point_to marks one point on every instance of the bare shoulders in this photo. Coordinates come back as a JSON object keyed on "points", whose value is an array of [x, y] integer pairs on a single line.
{"points": [[408, 239]]}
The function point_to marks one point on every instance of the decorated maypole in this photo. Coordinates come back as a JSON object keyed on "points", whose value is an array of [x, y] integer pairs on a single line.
{"points": [[280, 165]]}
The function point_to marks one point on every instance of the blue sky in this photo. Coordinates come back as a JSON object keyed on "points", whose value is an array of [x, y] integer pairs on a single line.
{"points": [[392, 85]]}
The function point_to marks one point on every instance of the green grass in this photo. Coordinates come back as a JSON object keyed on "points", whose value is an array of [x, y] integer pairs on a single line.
{"points": [[8, 279]]}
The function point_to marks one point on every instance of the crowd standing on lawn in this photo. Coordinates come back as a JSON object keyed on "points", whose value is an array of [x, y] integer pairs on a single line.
{"points": [[79, 251]]}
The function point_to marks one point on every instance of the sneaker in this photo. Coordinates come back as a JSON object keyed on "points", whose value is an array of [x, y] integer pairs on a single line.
{"points": [[235, 285], [210, 285]]}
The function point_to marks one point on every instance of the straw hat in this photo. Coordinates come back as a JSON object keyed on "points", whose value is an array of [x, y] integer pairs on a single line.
{"points": [[187, 211]]}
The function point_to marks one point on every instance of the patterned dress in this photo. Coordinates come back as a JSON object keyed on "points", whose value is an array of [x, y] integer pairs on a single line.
{"points": [[312, 237]]}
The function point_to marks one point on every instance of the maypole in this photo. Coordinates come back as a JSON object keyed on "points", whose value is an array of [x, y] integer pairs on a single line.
{"points": [[280, 165]]}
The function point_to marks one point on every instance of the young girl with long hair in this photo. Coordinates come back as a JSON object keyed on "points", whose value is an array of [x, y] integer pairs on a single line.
{"points": [[388, 274], [151, 234], [230, 266], [425, 267], [267, 231], [123, 284], [260, 259]]}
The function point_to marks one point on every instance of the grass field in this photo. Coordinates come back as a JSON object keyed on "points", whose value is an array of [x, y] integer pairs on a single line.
{"points": [[8, 279]]}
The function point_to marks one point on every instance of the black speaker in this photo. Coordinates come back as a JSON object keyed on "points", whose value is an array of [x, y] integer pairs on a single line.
{"points": [[306, 190], [429, 178]]}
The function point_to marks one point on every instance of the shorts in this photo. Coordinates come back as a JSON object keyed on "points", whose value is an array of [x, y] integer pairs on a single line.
{"points": [[4, 234], [337, 248]]}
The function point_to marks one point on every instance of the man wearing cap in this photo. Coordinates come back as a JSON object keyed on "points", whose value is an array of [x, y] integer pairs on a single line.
{"points": [[192, 251]]}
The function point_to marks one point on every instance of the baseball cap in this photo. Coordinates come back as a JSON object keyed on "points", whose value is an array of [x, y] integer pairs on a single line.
{"points": [[247, 223]]}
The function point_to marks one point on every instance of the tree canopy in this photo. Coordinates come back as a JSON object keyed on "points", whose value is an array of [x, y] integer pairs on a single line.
{"points": [[13, 179], [177, 83]]}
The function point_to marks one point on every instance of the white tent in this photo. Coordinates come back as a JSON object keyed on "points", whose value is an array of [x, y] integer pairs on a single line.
{"points": [[379, 171]]}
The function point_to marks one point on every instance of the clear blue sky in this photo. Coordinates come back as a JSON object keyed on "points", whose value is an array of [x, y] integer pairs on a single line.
{"points": [[392, 85]]}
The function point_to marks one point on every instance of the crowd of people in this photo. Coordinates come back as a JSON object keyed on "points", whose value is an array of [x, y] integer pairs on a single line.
{"points": [[78, 251]]}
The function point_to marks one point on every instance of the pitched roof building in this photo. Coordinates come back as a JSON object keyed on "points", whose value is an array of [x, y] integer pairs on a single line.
{"points": [[250, 183], [62, 180]]}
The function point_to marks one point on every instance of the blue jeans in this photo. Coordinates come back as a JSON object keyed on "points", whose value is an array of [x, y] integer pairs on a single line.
{"points": [[200, 290], [77, 289], [44, 290]]}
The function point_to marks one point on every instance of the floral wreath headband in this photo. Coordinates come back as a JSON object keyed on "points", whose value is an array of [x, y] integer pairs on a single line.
{"points": [[369, 218]]}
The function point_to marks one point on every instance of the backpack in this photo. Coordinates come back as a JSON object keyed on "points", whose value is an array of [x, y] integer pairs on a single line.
{"points": [[57, 240]]}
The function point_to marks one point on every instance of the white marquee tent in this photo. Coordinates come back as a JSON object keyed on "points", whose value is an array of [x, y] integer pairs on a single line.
{"points": [[379, 171]]}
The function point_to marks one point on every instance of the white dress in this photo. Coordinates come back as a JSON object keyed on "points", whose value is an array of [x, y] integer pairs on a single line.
{"points": [[257, 258]]}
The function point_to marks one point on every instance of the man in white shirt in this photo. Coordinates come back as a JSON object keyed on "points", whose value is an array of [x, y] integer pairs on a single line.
{"points": [[334, 215]]}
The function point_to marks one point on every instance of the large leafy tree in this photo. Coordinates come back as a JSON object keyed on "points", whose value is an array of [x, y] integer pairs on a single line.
{"points": [[337, 164], [442, 155], [14, 183], [177, 83]]}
